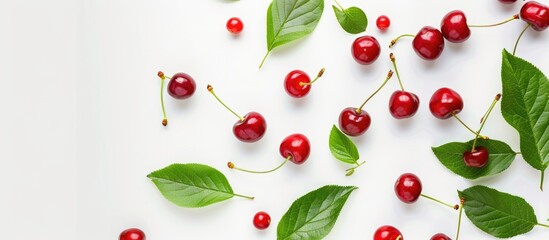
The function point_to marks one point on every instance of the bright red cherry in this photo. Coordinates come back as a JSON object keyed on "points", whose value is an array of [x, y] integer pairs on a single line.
{"points": [[365, 50], [428, 43], [388, 233], [262, 220], [132, 234], [440, 236], [536, 14], [408, 188], [383, 22], [298, 84], [249, 128], [445, 103], [477, 158], [454, 27], [181, 86], [508, 1], [235, 25], [403, 104], [353, 122]]}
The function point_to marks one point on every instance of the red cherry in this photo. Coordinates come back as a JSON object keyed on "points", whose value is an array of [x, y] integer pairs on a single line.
{"points": [[296, 147], [235, 25], [477, 158], [181, 86], [383, 22], [454, 27], [293, 83], [262, 220], [251, 129], [440, 236], [408, 188], [388, 233], [536, 14], [428, 43], [403, 104], [445, 102], [354, 123], [365, 50], [132, 234], [508, 1]]}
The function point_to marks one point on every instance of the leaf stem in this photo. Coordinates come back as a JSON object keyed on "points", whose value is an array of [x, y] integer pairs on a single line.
{"points": [[350, 171], [459, 218], [264, 58], [232, 166], [341, 7], [243, 196], [162, 78], [393, 60], [542, 178], [441, 202], [319, 75], [516, 16], [468, 128], [389, 75], [543, 225], [485, 118], [393, 42], [519, 37]]}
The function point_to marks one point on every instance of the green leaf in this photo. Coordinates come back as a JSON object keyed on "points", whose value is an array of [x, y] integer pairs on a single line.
{"points": [[192, 185], [451, 156], [289, 20], [353, 20], [342, 147], [497, 213], [313, 215], [525, 106]]}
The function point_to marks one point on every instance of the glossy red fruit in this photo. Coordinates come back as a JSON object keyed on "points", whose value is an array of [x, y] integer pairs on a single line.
{"points": [[262, 220], [181, 86], [383, 22], [293, 86], [251, 129], [353, 123], [235, 25], [365, 50], [297, 146], [440, 236], [508, 1], [454, 27], [403, 104], [445, 102], [536, 14], [387, 233], [408, 188], [477, 158], [132, 234], [428, 43]]}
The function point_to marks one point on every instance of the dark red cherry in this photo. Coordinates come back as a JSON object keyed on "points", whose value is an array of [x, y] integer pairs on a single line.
{"points": [[536, 14], [293, 83], [428, 43], [454, 27], [403, 104], [408, 188], [262, 220], [235, 25], [132, 234], [383, 22], [388, 233], [440, 236], [251, 129], [354, 123], [445, 102], [365, 50], [181, 86], [477, 158], [297, 147], [508, 1]]}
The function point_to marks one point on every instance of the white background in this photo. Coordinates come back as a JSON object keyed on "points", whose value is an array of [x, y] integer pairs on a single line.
{"points": [[80, 126]]}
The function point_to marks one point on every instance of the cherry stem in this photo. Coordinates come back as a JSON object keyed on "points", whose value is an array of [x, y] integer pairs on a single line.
{"points": [[468, 128], [393, 60], [485, 118], [399, 237], [459, 218], [232, 166], [519, 37], [319, 75], [264, 58], [542, 178], [210, 89], [389, 75], [455, 207], [516, 16], [162, 78], [393, 42], [243, 196]]}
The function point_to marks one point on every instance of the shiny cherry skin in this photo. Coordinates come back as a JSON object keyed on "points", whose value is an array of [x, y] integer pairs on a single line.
{"points": [[235, 25], [477, 158], [403, 104], [387, 233], [408, 188], [251, 129], [262, 220], [292, 83], [132, 234], [297, 147], [181, 86], [440, 236], [454, 27], [353, 123], [365, 50], [536, 14], [383, 22], [428, 43], [508, 1], [445, 102]]}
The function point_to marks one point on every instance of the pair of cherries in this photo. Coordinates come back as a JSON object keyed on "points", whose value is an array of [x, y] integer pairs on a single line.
{"points": [[388, 232]]}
